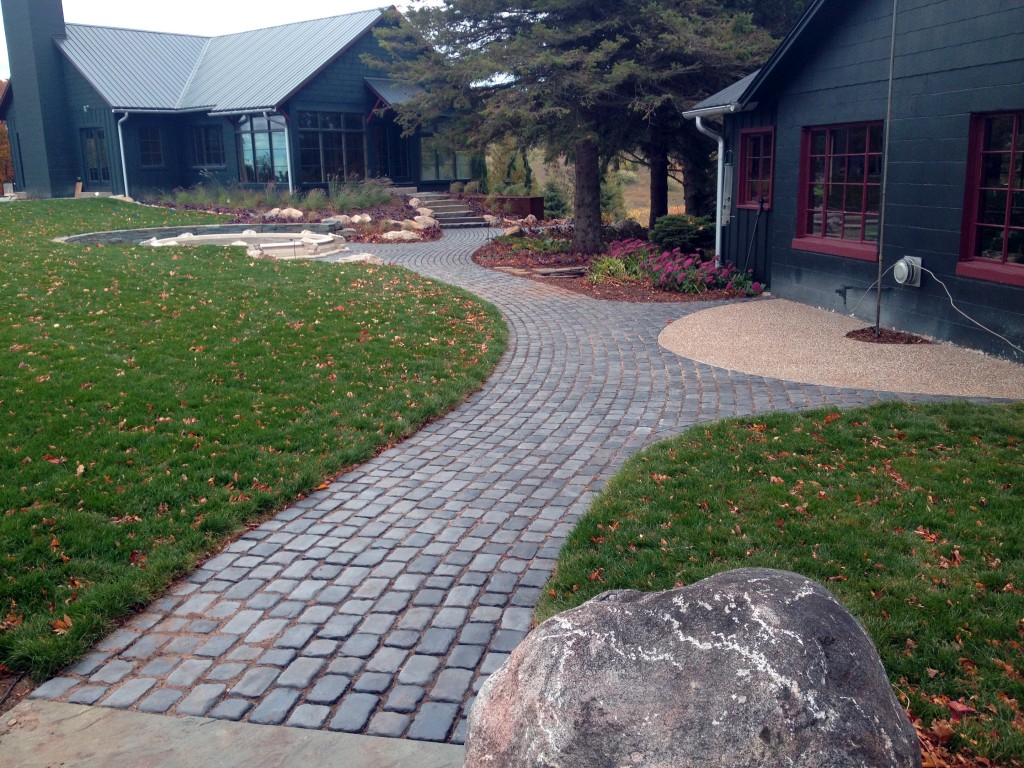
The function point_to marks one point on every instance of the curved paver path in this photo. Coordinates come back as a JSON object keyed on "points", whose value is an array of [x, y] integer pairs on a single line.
{"points": [[380, 604]]}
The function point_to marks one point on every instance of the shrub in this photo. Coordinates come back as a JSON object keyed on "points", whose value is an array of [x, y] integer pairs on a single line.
{"points": [[692, 273], [457, 188], [606, 268], [613, 198], [357, 195], [472, 188], [634, 255], [682, 231], [556, 201], [315, 200]]}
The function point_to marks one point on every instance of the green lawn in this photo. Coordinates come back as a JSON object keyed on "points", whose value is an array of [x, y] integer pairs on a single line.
{"points": [[912, 515], [155, 401]]}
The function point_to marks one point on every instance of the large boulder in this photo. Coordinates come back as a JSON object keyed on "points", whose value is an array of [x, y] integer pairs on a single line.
{"points": [[749, 668]]}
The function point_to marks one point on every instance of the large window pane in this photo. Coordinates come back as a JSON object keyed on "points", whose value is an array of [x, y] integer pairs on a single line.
{"points": [[247, 168], [334, 156], [1017, 211], [995, 170], [992, 209], [463, 165], [999, 133], [280, 157], [262, 157], [355, 156], [989, 243]]}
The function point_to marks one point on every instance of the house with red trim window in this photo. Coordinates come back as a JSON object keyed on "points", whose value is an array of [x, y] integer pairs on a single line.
{"points": [[885, 136]]}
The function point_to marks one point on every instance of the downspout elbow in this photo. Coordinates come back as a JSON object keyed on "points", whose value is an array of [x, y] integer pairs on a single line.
{"points": [[124, 160], [720, 197]]}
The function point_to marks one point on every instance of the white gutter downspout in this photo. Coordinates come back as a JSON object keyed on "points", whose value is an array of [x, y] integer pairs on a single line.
{"points": [[124, 160], [720, 197]]}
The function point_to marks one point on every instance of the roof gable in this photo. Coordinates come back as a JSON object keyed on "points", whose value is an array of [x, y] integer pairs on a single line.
{"points": [[263, 68], [133, 69], [819, 16], [253, 70]]}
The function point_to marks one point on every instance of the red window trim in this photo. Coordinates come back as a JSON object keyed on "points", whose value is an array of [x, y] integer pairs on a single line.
{"points": [[853, 249], [744, 203], [969, 266], [835, 247], [1009, 274]]}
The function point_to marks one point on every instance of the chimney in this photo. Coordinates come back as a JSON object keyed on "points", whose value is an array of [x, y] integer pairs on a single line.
{"points": [[40, 118]]}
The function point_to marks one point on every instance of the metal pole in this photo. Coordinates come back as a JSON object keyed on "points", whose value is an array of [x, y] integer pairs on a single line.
{"points": [[885, 175]]}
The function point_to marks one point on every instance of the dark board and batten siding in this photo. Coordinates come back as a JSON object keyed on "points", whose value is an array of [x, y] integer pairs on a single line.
{"points": [[954, 59]]}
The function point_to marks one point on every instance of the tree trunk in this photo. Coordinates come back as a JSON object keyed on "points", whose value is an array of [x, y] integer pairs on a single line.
{"points": [[658, 159], [587, 206]]}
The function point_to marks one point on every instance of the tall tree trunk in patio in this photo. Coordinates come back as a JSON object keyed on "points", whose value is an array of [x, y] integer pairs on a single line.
{"points": [[657, 156], [587, 207]]}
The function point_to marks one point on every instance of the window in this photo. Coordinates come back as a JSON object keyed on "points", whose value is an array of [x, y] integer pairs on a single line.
{"points": [[262, 155], [151, 151], [207, 146], [840, 205], [440, 164], [994, 203], [756, 150], [97, 163], [332, 147]]}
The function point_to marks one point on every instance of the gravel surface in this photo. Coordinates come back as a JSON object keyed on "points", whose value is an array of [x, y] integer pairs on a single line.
{"points": [[784, 340]]}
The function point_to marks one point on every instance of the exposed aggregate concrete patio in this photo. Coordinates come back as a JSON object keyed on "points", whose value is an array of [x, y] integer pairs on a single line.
{"points": [[380, 604]]}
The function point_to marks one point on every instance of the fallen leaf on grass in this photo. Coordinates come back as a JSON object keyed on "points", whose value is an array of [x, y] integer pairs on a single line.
{"points": [[958, 710], [61, 626]]}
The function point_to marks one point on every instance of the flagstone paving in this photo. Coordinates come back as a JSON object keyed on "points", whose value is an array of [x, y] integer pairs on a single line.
{"points": [[380, 604]]}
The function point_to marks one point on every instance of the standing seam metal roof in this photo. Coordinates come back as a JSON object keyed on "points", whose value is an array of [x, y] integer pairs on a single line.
{"points": [[253, 70]]}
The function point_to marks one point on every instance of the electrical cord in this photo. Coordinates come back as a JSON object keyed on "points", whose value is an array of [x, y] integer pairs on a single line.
{"points": [[954, 306], [867, 290], [949, 295]]}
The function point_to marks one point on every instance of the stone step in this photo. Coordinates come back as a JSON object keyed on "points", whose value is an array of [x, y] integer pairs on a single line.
{"points": [[456, 213], [466, 224], [446, 205]]}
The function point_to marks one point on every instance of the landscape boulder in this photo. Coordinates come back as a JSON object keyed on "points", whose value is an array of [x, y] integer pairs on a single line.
{"points": [[748, 668], [401, 236], [291, 214]]}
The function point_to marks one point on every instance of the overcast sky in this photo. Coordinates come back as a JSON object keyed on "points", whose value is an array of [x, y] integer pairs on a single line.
{"points": [[199, 17]]}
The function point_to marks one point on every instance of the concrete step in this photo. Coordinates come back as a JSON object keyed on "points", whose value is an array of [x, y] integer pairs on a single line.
{"points": [[447, 205], [469, 224], [463, 222], [442, 215]]}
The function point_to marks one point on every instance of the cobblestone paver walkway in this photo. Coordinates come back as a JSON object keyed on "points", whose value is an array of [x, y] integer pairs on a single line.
{"points": [[380, 604]]}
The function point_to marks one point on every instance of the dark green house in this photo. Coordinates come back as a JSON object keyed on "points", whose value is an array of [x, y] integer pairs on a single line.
{"points": [[885, 137], [126, 112]]}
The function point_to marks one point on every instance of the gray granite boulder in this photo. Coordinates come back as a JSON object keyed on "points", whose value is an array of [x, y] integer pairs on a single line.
{"points": [[751, 667]]}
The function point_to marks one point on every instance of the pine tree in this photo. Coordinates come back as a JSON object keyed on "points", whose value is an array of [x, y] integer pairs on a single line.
{"points": [[583, 80]]}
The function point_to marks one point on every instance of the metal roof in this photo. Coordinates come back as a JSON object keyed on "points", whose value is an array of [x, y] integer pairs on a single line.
{"points": [[132, 69], [265, 67], [245, 71], [726, 100], [391, 92]]}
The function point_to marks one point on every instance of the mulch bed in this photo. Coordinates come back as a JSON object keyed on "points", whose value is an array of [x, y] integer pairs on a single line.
{"points": [[13, 688], [886, 336], [497, 257]]}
